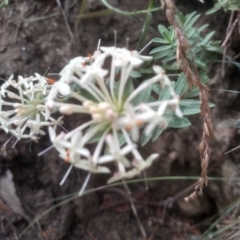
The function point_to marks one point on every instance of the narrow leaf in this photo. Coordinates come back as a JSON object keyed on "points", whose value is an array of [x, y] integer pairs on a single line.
{"points": [[135, 74], [143, 96], [160, 49], [156, 133], [175, 122], [145, 138], [181, 85], [160, 40]]}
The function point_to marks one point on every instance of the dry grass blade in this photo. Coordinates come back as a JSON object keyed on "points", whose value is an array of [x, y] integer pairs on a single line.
{"points": [[101, 13], [186, 62]]}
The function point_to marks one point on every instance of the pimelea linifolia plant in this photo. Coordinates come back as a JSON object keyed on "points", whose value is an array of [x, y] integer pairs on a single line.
{"points": [[107, 96]]}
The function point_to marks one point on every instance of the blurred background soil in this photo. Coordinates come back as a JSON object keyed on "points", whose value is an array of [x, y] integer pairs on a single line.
{"points": [[33, 38]]}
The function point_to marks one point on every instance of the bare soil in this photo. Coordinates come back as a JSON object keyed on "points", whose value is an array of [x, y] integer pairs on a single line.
{"points": [[33, 37]]}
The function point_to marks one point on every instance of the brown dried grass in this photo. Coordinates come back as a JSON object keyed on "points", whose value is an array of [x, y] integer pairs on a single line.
{"points": [[186, 62]]}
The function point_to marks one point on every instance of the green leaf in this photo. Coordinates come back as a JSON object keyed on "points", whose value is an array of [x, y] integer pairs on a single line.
{"points": [[128, 89], [191, 22], [213, 10], [163, 54], [87, 95], [152, 99], [233, 8], [172, 34], [121, 139], [207, 38], [135, 74], [200, 63], [164, 94], [191, 106], [189, 17], [202, 28], [143, 96], [213, 49], [160, 40], [157, 88], [193, 93], [145, 138], [146, 70], [160, 49], [156, 133], [168, 59], [175, 122], [191, 32], [98, 135], [165, 33], [181, 85]]}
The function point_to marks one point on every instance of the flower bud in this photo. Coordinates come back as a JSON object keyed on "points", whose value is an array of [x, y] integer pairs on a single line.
{"points": [[67, 109], [104, 106], [97, 118]]}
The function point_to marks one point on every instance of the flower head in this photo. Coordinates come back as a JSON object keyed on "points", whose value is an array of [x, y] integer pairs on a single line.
{"points": [[23, 110], [107, 95]]}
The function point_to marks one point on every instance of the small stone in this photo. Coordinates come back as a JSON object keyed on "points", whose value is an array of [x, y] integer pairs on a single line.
{"points": [[3, 49]]}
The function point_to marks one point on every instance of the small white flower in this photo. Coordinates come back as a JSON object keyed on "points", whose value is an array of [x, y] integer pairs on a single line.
{"points": [[88, 166], [58, 141], [5, 85], [120, 175], [92, 72], [122, 56], [153, 118], [116, 154], [75, 66], [75, 148], [141, 165]]}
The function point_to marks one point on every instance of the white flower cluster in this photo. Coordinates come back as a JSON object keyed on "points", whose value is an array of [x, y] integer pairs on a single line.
{"points": [[115, 120], [23, 111], [106, 96]]}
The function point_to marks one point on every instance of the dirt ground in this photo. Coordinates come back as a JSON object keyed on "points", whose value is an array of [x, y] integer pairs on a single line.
{"points": [[33, 37]]}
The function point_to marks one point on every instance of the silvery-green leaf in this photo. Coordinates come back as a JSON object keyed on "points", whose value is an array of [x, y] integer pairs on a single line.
{"points": [[159, 40], [163, 54], [128, 89], [87, 95], [145, 138], [165, 33], [193, 93], [157, 88], [135, 74], [168, 59], [191, 21], [189, 107], [164, 94], [212, 10], [189, 17], [121, 139], [181, 85], [151, 99], [160, 49], [156, 133], [143, 96], [175, 122]]}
